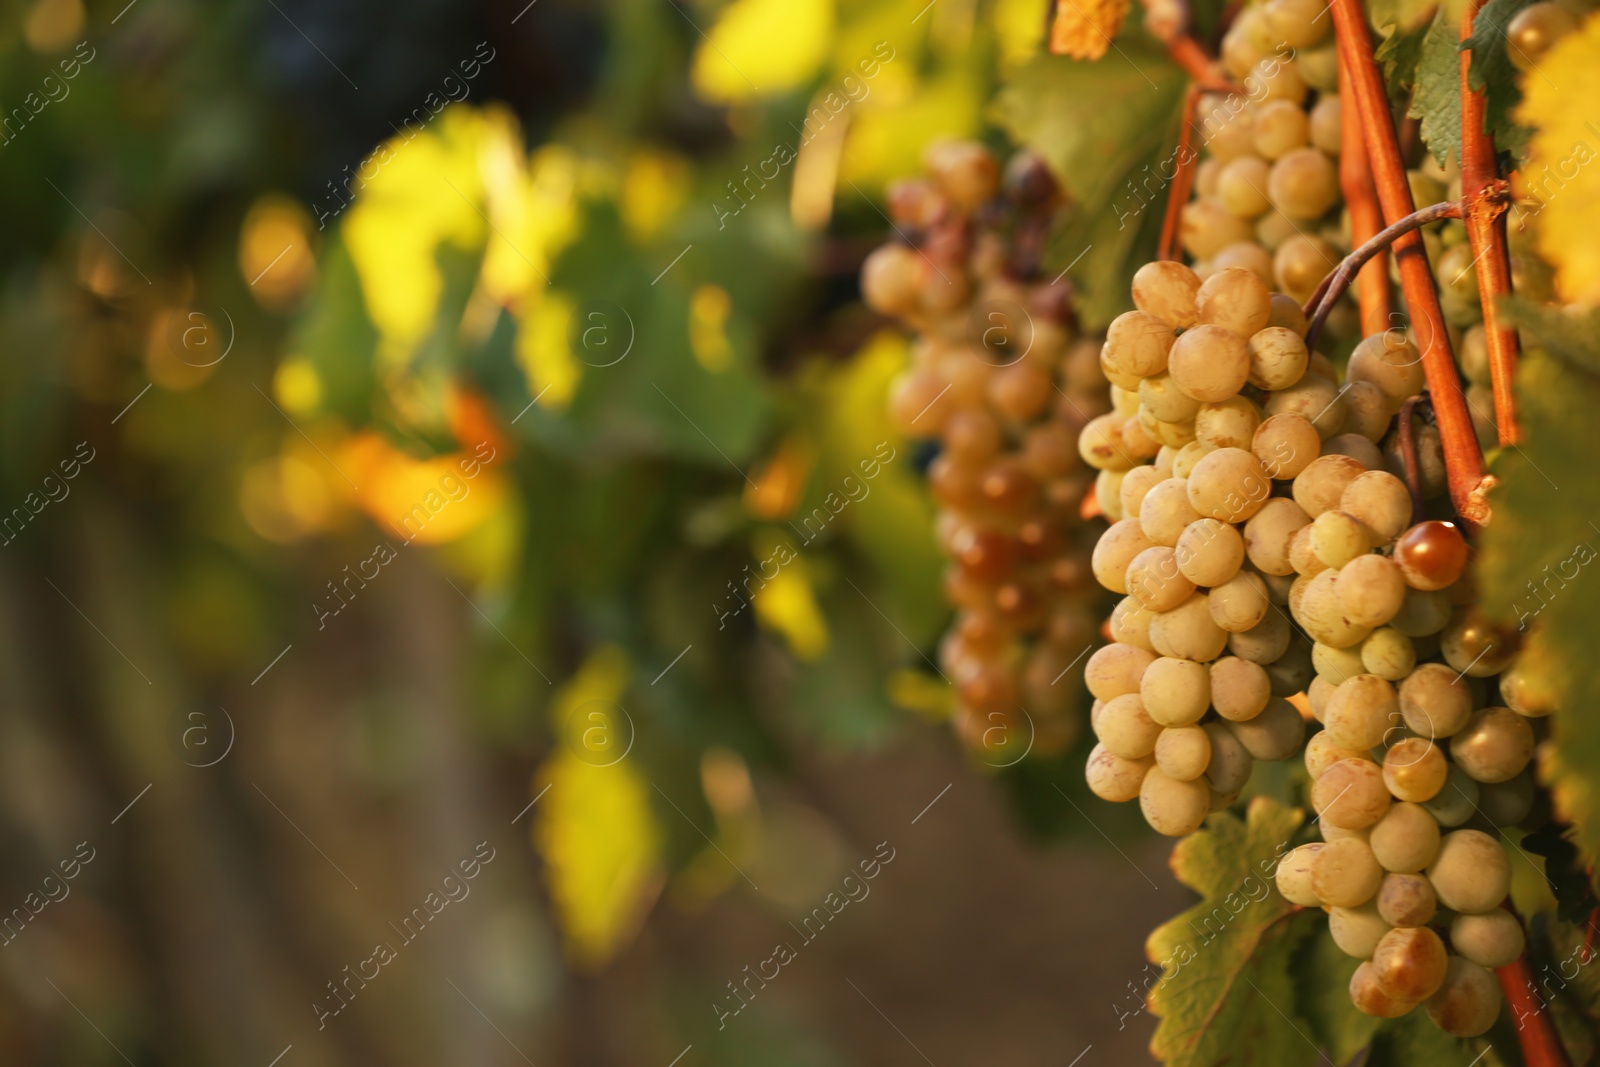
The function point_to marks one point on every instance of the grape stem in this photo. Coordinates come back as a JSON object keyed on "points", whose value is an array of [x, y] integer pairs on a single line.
{"points": [[1484, 193], [1338, 280], [1462, 456], [1366, 217], [1408, 455], [1185, 159], [1535, 1031]]}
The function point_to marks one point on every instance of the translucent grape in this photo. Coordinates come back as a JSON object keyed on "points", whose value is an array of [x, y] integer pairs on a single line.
{"points": [[1494, 745], [1471, 872], [1350, 794], [1346, 875]]}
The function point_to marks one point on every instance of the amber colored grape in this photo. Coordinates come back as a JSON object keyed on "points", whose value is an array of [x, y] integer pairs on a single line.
{"points": [[1431, 554]]}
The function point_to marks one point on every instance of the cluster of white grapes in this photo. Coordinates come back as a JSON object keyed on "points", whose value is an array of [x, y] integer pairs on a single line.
{"points": [[1000, 381], [1270, 563], [1267, 196]]}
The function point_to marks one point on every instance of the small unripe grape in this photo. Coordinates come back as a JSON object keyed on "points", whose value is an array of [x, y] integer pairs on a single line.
{"points": [[1265, 642], [1492, 939], [1183, 752], [1389, 654], [1188, 631], [1409, 963], [1274, 734], [1468, 1001], [1166, 289], [1389, 361], [1431, 555], [1350, 794], [1228, 423], [1471, 872], [1115, 670], [1382, 503], [1494, 746], [1345, 874], [1370, 999], [1362, 710], [1315, 398], [1238, 689], [1293, 875], [1414, 769], [1337, 538], [1172, 807], [1240, 603], [1176, 692], [1267, 534], [1210, 363], [1321, 485]]}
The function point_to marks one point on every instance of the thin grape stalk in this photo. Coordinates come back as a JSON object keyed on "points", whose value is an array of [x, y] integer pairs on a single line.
{"points": [[1001, 382]]}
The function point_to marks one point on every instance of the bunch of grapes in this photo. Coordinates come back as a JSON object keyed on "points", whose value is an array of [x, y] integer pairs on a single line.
{"points": [[1267, 196], [1000, 382], [1270, 563]]}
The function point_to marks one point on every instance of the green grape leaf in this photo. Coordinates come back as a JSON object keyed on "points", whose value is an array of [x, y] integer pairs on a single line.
{"points": [[1406, 15], [1438, 97], [1108, 130], [1533, 556], [1413, 1040], [1399, 53], [1322, 990], [1225, 993], [1492, 72]]}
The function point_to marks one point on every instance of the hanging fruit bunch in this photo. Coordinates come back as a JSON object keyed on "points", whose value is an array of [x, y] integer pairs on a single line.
{"points": [[1000, 385]]}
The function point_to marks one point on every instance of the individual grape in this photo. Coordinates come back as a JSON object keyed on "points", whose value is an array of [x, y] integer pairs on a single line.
{"points": [[1264, 643], [1240, 604], [1021, 391], [1130, 624], [1323, 751], [1326, 122], [1321, 485], [1301, 557], [1166, 512], [1116, 549], [1183, 463], [1161, 397], [1405, 839], [1278, 357], [892, 279], [1237, 301], [1357, 930], [1300, 262], [1335, 666], [1137, 346], [1135, 485], [1492, 939], [1346, 875], [1468, 1001], [1285, 445], [1126, 729], [1524, 688], [1183, 752], [1210, 363], [1281, 126], [1422, 613], [972, 435], [1315, 398], [1356, 447], [1320, 691], [1292, 671], [1207, 227], [1287, 315], [1494, 746], [1434, 702], [1338, 537], [1317, 611], [1229, 423], [1172, 807], [1229, 485], [1154, 579], [1242, 186], [1275, 80], [1231, 762], [1274, 228], [1166, 290], [1293, 875], [1303, 183], [1367, 411], [1473, 647], [1406, 900], [1274, 734], [1389, 654], [1188, 631], [1238, 689], [1414, 770], [1369, 997], [1115, 670], [1382, 503], [1362, 710], [1176, 692], [1507, 803], [1457, 801], [1409, 963], [966, 172], [1350, 794], [1209, 552], [1534, 30], [1245, 255], [1471, 872], [918, 405], [1113, 778], [1389, 361], [1370, 589], [1431, 555], [1296, 23]]}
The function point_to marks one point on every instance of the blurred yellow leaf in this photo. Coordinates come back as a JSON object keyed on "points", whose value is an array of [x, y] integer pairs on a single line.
{"points": [[425, 500], [778, 485], [709, 309], [275, 253], [762, 48], [893, 126], [653, 189], [787, 604], [921, 693], [544, 350], [1561, 153], [1019, 30], [594, 827]]}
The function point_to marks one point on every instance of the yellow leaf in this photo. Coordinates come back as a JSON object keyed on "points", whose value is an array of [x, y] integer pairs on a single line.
{"points": [[777, 487], [1559, 173], [762, 48], [709, 309], [595, 827], [787, 604], [426, 500], [544, 350]]}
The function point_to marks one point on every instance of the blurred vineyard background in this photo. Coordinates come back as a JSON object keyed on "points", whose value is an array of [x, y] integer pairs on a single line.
{"points": [[389, 390]]}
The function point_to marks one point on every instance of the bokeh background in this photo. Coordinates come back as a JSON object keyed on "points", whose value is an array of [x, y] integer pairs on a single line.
{"points": [[396, 399]]}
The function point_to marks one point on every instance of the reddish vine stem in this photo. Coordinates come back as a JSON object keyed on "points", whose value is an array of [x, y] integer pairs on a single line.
{"points": [[1484, 193], [1463, 458], [1535, 1031], [1408, 455], [1327, 294], [1366, 217], [1184, 159]]}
